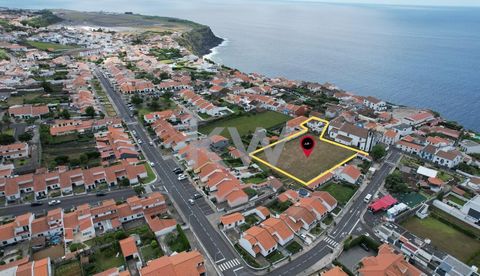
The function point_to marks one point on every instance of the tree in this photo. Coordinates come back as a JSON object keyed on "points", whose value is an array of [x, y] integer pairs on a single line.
{"points": [[124, 182], [164, 76], [139, 190], [6, 139], [136, 100], [394, 183], [90, 111], [62, 160], [6, 120], [65, 114], [154, 105], [25, 137], [378, 151]]}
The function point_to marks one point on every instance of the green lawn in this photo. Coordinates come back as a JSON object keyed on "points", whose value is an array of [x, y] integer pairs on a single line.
{"points": [[47, 46], [464, 247], [246, 123], [294, 247], [316, 230], [278, 207], [341, 192], [251, 219], [246, 256], [150, 174], [14, 100], [3, 55], [72, 268], [274, 256], [455, 199], [150, 253], [255, 180], [103, 262]]}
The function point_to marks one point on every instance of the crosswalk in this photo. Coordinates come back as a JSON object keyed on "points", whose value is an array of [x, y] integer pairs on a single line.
{"points": [[229, 264], [331, 242]]}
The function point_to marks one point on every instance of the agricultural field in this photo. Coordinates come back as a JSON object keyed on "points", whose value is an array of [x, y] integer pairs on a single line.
{"points": [[70, 149], [46, 46], [247, 123], [292, 160], [465, 247]]}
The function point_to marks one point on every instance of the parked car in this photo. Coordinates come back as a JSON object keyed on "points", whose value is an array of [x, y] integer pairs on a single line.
{"points": [[140, 141], [54, 202], [152, 164], [151, 143], [191, 201], [182, 177], [197, 196], [177, 171], [101, 193], [36, 203]]}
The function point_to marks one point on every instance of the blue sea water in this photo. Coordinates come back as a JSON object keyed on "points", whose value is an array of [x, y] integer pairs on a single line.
{"points": [[425, 57]]}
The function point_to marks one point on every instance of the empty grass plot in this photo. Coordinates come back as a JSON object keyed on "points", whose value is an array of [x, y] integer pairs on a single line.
{"points": [[322, 158], [292, 161]]}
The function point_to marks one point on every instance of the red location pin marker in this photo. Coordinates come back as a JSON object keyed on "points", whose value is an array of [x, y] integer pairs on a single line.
{"points": [[307, 143]]}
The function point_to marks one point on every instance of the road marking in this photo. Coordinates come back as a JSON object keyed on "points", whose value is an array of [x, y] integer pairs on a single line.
{"points": [[331, 241], [229, 264], [219, 261], [237, 269], [355, 225]]}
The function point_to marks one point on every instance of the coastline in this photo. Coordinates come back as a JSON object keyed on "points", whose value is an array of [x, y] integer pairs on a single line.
{"points": [[214, 51]]}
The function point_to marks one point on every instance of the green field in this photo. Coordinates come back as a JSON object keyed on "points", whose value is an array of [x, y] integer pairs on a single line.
{"points": [[292, 160], [3, 55], [246, 124], [442, 235], [150, 253], [71, 145], [72, 268], [341, 192], [456, 200], [50, 46]]}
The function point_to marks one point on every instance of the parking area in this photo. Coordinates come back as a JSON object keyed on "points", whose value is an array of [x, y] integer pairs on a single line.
{"points": [[353, 256]]}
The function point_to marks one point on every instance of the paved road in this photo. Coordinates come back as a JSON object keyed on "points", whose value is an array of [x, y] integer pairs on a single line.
{"points": [[66, 202], [343, 228], [219, 250], [180, 191]]}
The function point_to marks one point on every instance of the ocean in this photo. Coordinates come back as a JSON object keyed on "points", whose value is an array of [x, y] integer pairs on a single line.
{"points": [[427, 57]]}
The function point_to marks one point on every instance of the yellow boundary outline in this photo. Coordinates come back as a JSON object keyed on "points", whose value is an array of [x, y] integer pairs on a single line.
{"points": [[303, 131]]}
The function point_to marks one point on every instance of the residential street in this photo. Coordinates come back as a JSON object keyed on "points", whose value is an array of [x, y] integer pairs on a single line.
{"points": [[218, 249], [67, 202], [210, 238]]}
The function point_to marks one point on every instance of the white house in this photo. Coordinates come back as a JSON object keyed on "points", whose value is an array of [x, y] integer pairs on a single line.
{"points": [[257, 240], [470, 146], [375, 104]]}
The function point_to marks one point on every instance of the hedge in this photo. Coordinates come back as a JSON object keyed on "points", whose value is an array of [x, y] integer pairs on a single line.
{"points": [[369, 242], [344, 268]]}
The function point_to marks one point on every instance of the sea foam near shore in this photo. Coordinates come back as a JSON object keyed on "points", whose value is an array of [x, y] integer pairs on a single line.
{"points": [[213, 55]]}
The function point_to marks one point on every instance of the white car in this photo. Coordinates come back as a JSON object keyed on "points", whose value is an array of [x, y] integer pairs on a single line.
{"points": [[182, 177], [152, 164], [140, 142], [151, 143], [54, 202]]}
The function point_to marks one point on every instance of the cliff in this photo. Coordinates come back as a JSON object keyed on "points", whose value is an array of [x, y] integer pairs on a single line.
{"points": [[199, 40]]}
